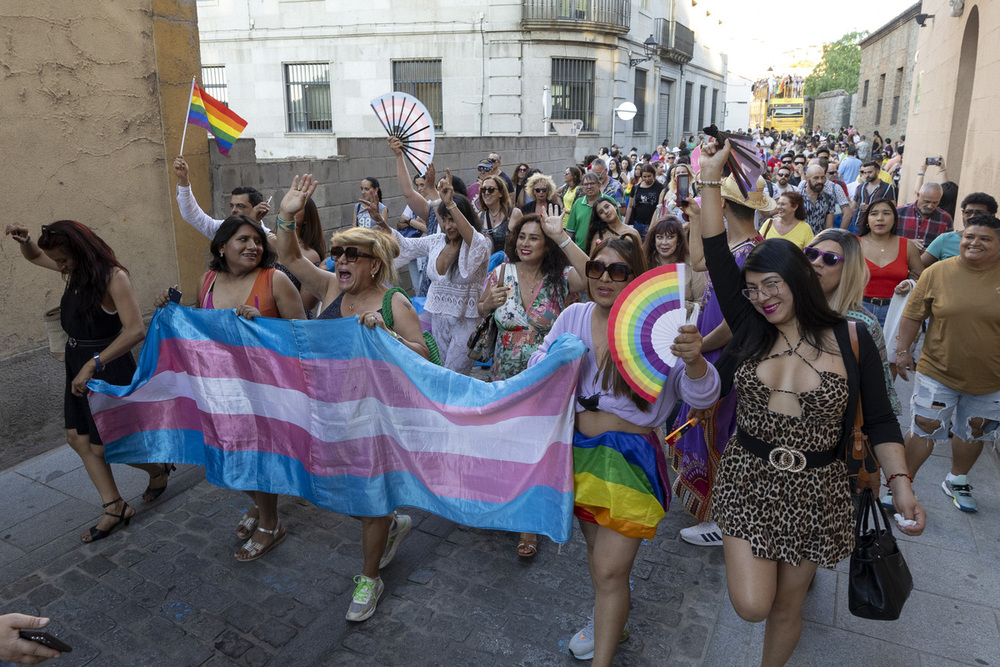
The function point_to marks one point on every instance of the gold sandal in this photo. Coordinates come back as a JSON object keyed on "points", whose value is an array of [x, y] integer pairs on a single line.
{"points": [[255, 550], [247, 525]]}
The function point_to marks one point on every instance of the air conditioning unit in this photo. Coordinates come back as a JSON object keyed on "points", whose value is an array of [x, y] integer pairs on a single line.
{"points": [[568, 128]]}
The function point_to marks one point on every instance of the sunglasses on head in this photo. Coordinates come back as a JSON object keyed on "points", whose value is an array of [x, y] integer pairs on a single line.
{"points": [[489, 190], [350, 253], [829, 258], [618, 272]]}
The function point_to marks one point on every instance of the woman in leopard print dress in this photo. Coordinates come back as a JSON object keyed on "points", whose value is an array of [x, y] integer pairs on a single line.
{"points": [[781, 494]]}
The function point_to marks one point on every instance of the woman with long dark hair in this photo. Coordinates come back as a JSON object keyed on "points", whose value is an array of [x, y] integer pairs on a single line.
{"points": [[891, 258], [606, 223], [667, 243], [780, 497], [100, 313], [371, 194], [618, 462]]}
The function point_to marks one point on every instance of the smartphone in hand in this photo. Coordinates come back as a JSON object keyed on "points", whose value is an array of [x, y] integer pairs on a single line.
{"points": [[683, 188], [174, 295], [45, 639]]}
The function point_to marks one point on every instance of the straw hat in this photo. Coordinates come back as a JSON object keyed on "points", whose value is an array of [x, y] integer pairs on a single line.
{"points": [[758, 199]]}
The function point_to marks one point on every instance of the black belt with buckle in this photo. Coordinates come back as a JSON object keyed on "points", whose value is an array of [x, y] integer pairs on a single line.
{"points": [[785, 458], [79, 342], [876, 301]]}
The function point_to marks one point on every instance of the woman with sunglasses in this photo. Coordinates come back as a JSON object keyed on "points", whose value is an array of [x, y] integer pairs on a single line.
{"points": [[642, 201], [619, 468], [537, 282], [100, 313], [789, 221], [780, 497], [365, 269], [494, 211], [519, 180], [457, 258], [542, 190], [891, 259]]}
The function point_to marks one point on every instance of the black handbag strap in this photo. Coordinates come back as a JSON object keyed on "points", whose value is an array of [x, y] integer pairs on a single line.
{"points": [[870, 506]]}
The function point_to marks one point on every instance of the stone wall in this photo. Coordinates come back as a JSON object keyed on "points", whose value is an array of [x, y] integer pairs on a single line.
{"points": [[340, 177], [831, 110], [93, 93]]}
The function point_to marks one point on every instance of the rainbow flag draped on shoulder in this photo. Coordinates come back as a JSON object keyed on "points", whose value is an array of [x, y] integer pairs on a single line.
{"points": [[349, 419], [207, 112]]}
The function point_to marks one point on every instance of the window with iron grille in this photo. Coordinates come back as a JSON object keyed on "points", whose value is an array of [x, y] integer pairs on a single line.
{"points": [[213, 82], [688, 94], [307, 97], [715, 106], [573, 91], [422, 79], [639, 122]]}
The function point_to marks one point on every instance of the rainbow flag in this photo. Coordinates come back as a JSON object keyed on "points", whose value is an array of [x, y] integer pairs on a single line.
{"points": [[207, 112], [349, 419]]}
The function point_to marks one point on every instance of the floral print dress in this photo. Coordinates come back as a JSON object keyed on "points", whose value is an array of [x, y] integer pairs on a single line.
{"points": [[520, 332]]}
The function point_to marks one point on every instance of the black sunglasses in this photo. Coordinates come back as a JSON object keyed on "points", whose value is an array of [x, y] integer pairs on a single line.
{"points": [[618, 272], [541, 190], [489, 189], [829, 258], [350, 253]]}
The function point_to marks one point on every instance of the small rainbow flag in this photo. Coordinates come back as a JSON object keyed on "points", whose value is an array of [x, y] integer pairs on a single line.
{"points": [[207, 112]]}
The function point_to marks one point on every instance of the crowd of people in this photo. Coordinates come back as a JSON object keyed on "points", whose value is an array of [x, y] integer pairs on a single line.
{"points": [[822, 241]]}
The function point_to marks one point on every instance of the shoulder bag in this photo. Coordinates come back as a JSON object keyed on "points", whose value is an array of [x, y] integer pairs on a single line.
{"points": [[862, 466], [880, 581], [432, 347], [484, 338]]}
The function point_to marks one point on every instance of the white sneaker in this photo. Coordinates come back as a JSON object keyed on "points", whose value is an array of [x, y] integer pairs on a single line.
{"points": [[582, 643], [703, 535], [365, 598], [403, 524]]}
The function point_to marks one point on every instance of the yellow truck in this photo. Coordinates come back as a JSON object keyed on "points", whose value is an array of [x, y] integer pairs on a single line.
{"points": [[773, 110]]}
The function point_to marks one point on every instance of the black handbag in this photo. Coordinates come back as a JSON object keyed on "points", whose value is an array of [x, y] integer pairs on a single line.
{"points": [[880, 580]]}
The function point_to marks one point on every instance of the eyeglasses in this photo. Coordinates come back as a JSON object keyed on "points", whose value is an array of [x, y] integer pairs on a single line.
{"points": [[966, 212], [829, 258], [350, 253], [488, 190], [618, 272], [588, 184], [495, 160], [522, 169], [768, 289], [541, 191]]}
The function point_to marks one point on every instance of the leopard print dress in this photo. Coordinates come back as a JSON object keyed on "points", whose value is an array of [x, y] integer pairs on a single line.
{"points": [[787, 516]]}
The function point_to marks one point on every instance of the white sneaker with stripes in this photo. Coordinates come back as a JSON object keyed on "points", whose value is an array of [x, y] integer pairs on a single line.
{"points": [[703, 535]]}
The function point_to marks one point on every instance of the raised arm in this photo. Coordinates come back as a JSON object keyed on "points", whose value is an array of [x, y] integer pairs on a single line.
{"points": [[417, 204], [191, 213], [29, 249], [465, 228], [577, 279], [321, 284]]}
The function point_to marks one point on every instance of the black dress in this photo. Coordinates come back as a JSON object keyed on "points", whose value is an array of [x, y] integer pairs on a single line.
{"points": [[88, 336]]}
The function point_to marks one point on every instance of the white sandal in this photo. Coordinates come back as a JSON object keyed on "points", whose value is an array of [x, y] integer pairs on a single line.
{"points": [[247, 525], [255, 550]]}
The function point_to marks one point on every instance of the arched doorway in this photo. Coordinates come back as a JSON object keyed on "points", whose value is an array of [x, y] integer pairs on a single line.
{"points": [[963, 95]]}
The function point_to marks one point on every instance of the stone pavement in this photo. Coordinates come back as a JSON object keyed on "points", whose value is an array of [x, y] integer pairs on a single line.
{"points": [[167, 591]]}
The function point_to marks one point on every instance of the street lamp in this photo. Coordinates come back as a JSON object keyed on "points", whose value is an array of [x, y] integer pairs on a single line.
{"points": [[625, 111], [648, 49]]}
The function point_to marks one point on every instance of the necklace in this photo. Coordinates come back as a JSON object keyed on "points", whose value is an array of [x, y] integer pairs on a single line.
{"points": [[791, 350], [357, 298], [884, 245]]}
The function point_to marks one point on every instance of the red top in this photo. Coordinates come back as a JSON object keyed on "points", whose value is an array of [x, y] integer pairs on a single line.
{"points": [[884, 279]]}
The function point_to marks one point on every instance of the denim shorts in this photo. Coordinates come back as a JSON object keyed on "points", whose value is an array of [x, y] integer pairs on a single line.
{"points": [[933, 400]]}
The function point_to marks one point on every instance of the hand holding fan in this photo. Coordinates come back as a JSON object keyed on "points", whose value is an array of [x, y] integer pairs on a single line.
{"points": [[406, 118], [744, 161], [642, 327]]}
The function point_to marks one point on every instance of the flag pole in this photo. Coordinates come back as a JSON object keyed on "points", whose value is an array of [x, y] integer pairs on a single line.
{"points": [[186, 117]]}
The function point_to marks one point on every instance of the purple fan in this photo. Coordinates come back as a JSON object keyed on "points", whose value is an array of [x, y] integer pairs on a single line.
{"points": [[744, 161]]}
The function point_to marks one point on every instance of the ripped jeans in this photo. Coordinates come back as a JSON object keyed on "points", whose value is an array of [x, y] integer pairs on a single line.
{"points": [[971, 417]]}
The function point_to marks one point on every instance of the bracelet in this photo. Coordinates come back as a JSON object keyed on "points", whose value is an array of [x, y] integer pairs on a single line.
{"points": [[451, 207], [286, 226], [26, 240], [566, 242], [97, 361], [898, 474], [708, 184]]}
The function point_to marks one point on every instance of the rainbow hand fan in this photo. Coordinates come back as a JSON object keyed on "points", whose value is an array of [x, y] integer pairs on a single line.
{"points": [[643, 325]]}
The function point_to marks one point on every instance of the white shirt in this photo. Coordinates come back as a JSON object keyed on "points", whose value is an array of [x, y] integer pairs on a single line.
{"points": [[197, 218], [457, 291]]}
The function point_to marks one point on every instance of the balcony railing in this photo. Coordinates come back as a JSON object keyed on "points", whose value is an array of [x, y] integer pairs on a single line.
{"points": [[612, 16], [676, 40]]}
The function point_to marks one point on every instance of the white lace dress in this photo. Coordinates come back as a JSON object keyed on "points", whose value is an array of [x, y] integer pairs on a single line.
{"points": [[452, 297]]}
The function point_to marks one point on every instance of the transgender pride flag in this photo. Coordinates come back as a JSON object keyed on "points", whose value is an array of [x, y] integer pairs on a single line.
{"points": [[349, 419]]}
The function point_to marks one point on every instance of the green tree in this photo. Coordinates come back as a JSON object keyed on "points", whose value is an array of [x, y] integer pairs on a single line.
{"points": [[839, 67]]}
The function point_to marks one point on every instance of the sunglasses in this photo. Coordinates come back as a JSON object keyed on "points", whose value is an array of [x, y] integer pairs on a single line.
{"points": [[494, 161], [485, 169], [618, 272], [799, 164], [784, 174], [541, 191], [829, 258], [488, 190], [351, 254]]}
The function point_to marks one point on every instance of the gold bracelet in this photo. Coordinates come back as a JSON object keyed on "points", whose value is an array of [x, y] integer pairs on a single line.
{"points": [[451, 207]]}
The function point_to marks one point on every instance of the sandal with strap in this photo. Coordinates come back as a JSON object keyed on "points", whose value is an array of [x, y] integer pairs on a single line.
{"points": [[98, 533], [247, 525], [255, 550], [151, 494], [527, 546]]}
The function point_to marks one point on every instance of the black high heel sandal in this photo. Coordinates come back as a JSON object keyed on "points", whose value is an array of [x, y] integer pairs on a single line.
{"points": [[151, 494], [99, 534]]}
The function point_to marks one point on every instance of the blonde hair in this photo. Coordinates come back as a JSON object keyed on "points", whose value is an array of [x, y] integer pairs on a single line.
{"points": [[382, 245], [854, 276], [535, 180]]}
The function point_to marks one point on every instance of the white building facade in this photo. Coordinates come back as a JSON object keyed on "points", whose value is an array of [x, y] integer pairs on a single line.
{"points": [[302, 72]]}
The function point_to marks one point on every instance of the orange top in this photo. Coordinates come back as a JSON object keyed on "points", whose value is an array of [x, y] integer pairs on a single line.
{"points": [[261, 297]]}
